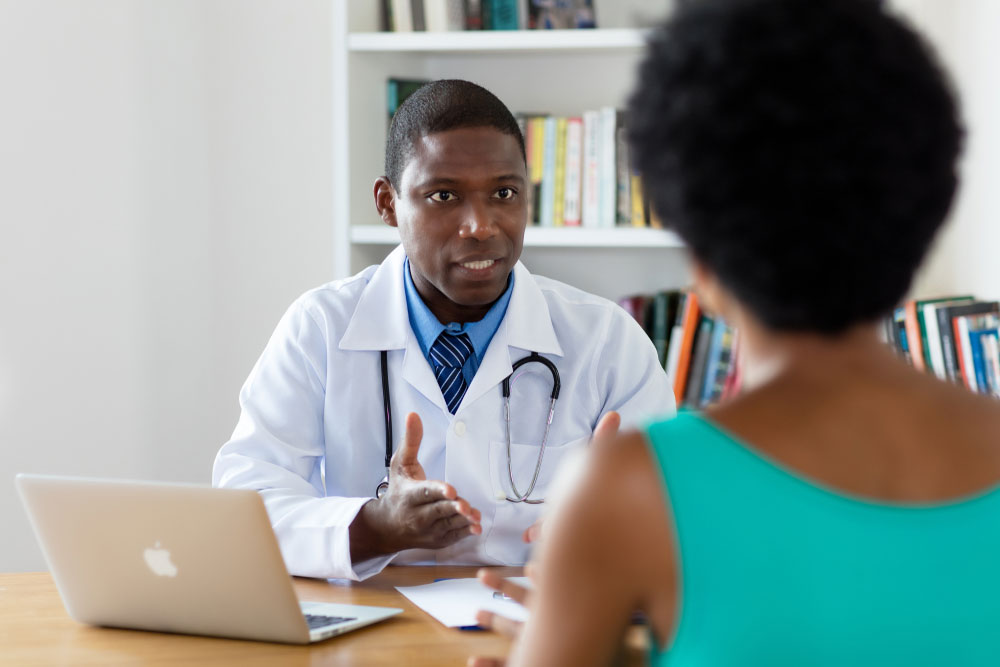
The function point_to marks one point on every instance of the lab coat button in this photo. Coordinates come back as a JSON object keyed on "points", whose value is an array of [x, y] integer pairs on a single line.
{"points": [[460, 429]]}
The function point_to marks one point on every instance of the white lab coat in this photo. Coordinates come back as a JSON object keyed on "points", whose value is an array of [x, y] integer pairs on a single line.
{"points": [[311, 436]]}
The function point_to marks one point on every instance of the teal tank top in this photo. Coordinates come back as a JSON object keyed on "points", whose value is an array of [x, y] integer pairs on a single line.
{"points": [[776, 570]]}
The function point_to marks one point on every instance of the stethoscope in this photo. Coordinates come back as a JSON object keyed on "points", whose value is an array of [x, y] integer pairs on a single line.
{"points": [[505, 388]]}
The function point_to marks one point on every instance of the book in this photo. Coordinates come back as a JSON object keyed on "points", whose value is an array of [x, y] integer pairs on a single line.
{"points": [[712, 363], [574, 169], [444, 15], [978, 353], [402, 15], [676, 334], [690, 325], [638, 203], [590, 211], [965, 344], [702, 340], [499, 14], [635, 306], [991, 360], [548, 192], [559, 176], [396, 91], [473, 14], [715, 377], [623, 178], [913, 336], [946, 330], [932, 342], [607, 167], [536, 164], [417, 13], [734, 379], [660, 325], [899, 332]]}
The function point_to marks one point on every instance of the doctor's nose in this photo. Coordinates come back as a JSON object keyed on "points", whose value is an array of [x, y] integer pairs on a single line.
{"points": [[478, 223]]}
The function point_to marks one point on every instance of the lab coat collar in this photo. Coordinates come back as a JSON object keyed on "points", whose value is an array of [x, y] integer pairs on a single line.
{"points": [[527, 327], [528, 322], [380, 320]]}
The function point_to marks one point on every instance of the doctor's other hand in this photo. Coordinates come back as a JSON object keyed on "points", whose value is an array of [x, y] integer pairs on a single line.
{"points": [[414, 512], [605, 431], [492, 621]]}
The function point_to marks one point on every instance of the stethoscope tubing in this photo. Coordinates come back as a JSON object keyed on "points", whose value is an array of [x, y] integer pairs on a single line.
{"points": [[505, 389]]}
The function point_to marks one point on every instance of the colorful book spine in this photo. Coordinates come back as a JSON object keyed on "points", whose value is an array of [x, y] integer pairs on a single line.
{"points": [[623, 176], [559, 175], [991, 360], [913, 336], [699, 361], [976, 337], [537, 165], [574, 171], [547, 215], [638, 206], [591, 192], [607, 167], [712, 362], [691, 314]]}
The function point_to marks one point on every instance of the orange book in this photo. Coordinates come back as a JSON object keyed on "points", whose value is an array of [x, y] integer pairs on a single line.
{"points": [[913, 340], [691, 318]]}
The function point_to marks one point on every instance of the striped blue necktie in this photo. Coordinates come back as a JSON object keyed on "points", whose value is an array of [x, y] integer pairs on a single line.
{"points": [[448, 355]]}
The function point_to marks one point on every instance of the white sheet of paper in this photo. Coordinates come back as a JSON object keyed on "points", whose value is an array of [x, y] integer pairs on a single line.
{"points": [[454, 602]]}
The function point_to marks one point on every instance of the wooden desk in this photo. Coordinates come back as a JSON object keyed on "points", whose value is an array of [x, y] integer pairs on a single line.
{"points": [[35, 630]]}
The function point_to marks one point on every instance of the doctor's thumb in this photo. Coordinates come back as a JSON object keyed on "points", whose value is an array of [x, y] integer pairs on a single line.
{"points": [[406, 455]]}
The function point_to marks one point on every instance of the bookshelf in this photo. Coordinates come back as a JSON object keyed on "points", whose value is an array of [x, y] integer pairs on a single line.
{"points": [[556, 72]]}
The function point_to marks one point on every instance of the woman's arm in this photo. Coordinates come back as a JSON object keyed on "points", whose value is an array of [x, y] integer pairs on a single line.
{"points": [[609, 552]]}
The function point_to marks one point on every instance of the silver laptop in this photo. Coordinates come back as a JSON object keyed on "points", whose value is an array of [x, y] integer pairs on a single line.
{"points": [[175, 558]]}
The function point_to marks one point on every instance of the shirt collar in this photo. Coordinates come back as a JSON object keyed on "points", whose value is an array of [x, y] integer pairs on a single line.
{"points": [[427, 328]]}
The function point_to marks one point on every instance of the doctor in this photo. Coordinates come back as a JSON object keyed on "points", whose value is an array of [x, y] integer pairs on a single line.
{"points": [[434, 331]]}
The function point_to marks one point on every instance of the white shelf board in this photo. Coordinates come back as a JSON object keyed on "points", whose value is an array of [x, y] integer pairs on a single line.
{"points": [[524, 41], [548, 237]]}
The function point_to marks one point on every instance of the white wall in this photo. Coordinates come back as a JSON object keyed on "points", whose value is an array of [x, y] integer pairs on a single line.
{"points": [[164, 195], [964, 259]]}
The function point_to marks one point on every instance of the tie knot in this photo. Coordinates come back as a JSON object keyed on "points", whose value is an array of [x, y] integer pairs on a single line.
{"points": [[450, 350]]}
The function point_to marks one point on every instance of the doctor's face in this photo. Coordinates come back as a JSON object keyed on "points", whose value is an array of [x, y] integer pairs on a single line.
{"points": [[461, 207]]}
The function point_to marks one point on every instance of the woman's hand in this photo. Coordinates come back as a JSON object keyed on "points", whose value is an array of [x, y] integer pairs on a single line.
{"points": [[491, 621]]}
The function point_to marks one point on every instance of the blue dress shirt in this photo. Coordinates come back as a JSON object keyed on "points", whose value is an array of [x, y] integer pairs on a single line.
{"points": [[427, 327]]}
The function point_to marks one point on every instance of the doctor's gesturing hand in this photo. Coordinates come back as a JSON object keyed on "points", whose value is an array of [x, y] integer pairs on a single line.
{"points": [[414, 513]]}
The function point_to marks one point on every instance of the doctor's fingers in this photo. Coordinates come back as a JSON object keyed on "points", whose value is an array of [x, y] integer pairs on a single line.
{"points": [[426, 493], [454, 527], [448, 510]]}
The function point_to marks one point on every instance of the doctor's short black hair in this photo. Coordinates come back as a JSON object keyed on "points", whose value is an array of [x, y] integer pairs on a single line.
{"points": [[438, 106], [804, 150]]}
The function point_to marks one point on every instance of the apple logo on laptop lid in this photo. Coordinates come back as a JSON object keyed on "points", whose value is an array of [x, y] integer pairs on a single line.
{"points": [[158, 560]]}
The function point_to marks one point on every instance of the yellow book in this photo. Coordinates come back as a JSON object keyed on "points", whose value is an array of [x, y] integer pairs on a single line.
{"points": [[558, 204], [638, 209]]}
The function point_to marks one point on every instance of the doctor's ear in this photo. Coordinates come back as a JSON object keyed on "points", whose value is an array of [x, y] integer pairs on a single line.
{"points": [[385, 200]]}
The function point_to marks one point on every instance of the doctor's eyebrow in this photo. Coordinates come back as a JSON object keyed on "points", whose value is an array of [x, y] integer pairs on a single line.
{"points": [[445, 182]]}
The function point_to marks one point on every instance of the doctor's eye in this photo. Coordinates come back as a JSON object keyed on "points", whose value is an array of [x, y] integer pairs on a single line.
{"points": [[505, 193], [442, 196]]}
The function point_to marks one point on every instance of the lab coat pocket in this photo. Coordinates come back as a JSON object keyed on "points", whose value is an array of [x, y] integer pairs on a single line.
{"points": [[510, 520]]}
